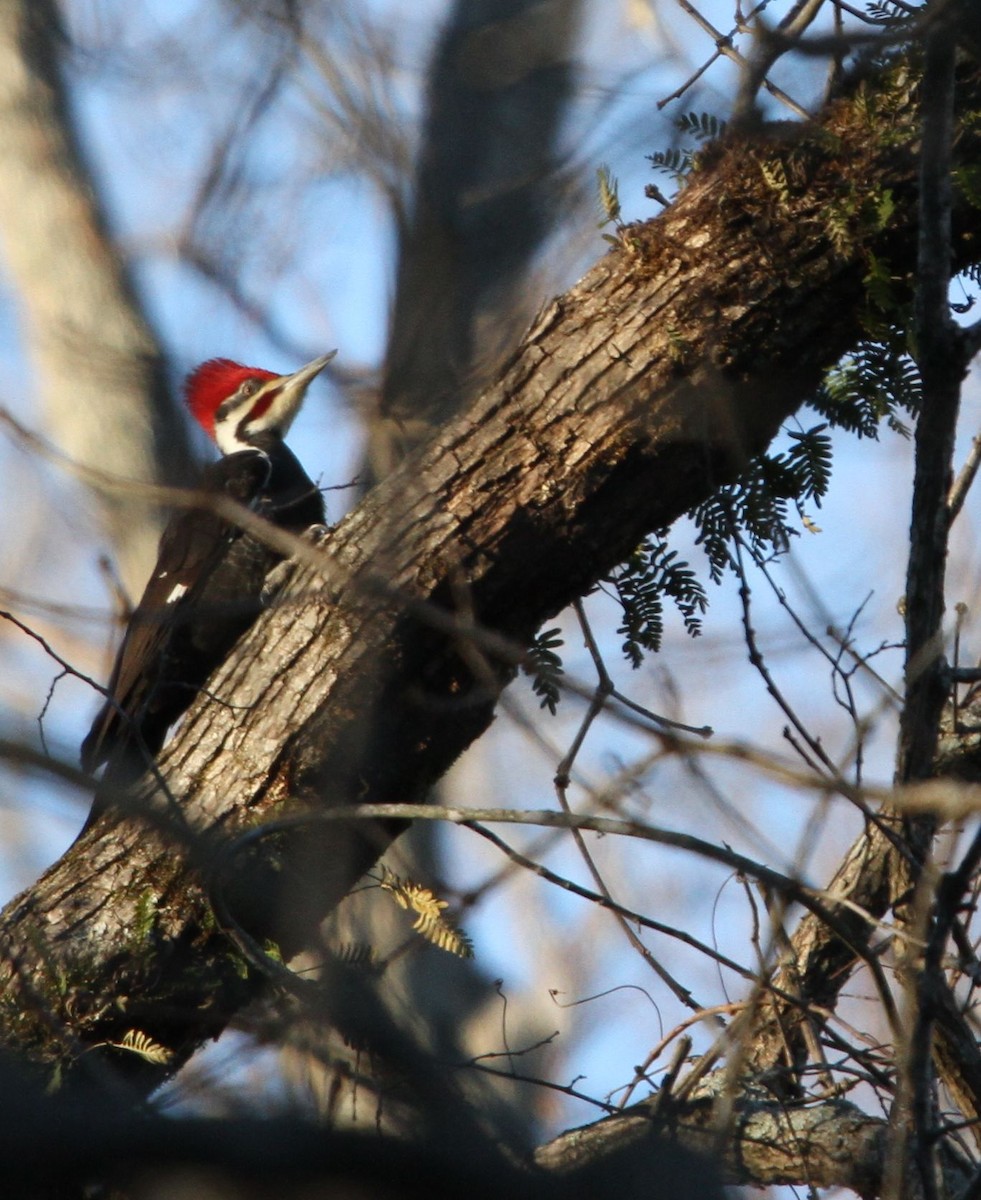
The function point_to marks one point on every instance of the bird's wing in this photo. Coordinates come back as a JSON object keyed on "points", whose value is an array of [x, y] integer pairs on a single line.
{"points": [[193, 543]]}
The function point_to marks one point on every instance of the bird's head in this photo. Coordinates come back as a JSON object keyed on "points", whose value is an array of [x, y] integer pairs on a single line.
{"points": [[235, 404]]}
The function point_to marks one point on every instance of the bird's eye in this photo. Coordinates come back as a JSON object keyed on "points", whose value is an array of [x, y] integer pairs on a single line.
{"points": [[249, 387]]}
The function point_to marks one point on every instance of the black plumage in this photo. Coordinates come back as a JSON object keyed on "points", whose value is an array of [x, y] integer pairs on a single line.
{"points": [[206, 588]]}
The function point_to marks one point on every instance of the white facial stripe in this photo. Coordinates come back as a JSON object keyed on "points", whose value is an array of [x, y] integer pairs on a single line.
{"points": [[235, 424], [227, 439], [231, 419]]}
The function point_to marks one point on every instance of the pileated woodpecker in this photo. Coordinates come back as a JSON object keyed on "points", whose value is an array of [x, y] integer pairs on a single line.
{"points": [[205, 590]]}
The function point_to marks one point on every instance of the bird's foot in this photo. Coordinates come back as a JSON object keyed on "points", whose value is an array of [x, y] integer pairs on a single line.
{"points": [[275, 581], [316, 535]]}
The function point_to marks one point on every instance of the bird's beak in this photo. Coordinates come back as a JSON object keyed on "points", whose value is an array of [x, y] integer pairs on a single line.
{"points": [[286, 394]]}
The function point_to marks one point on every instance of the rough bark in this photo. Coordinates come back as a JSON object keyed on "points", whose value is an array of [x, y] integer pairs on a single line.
{"points": [[631, 398], [833, 1144], [99, 366]]}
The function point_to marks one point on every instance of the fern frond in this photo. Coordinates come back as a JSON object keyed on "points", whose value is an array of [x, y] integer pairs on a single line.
{"points": [[544, 666], [886, 12], [765, 505], [809, 460], [675, 161], [431, 922], [756, 505], [869, 386], [714, 523], [357, 954], [137, 1042], [880, 284], [704, 126], [652, 573], [774, 174], [609, 195]]}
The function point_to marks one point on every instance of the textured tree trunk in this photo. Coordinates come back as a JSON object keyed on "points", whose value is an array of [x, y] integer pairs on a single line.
{"points": [[631, 398]]}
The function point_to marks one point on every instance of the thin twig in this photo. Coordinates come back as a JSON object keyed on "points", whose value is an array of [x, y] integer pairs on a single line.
{"points": [[604, 687], [724, 47]]}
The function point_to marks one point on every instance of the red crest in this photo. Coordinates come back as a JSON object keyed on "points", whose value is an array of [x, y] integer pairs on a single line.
{"points": [[210, 384]]}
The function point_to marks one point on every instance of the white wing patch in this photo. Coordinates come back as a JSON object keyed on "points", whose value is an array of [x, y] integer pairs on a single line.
{"points": [[178, 591]]}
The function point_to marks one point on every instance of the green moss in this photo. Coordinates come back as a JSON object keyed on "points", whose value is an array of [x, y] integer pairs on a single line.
{"points": [[146, 918]]}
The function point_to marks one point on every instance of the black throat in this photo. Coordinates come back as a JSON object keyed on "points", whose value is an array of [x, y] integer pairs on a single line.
{"points": [[293, 500]]}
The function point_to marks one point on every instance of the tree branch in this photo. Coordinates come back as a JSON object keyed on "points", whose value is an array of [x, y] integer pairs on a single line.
{"points": [[630, 399], [830, 1144]]}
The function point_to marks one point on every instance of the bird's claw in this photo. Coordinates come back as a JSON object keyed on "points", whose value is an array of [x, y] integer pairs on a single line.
{"points": [[274, 582], [316, 535]]}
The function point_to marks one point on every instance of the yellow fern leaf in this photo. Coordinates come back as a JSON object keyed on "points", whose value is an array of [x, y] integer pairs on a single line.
{"points": [[430, 922], [140, 1043], [608, 195], [775, 177], [444, 936]]}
